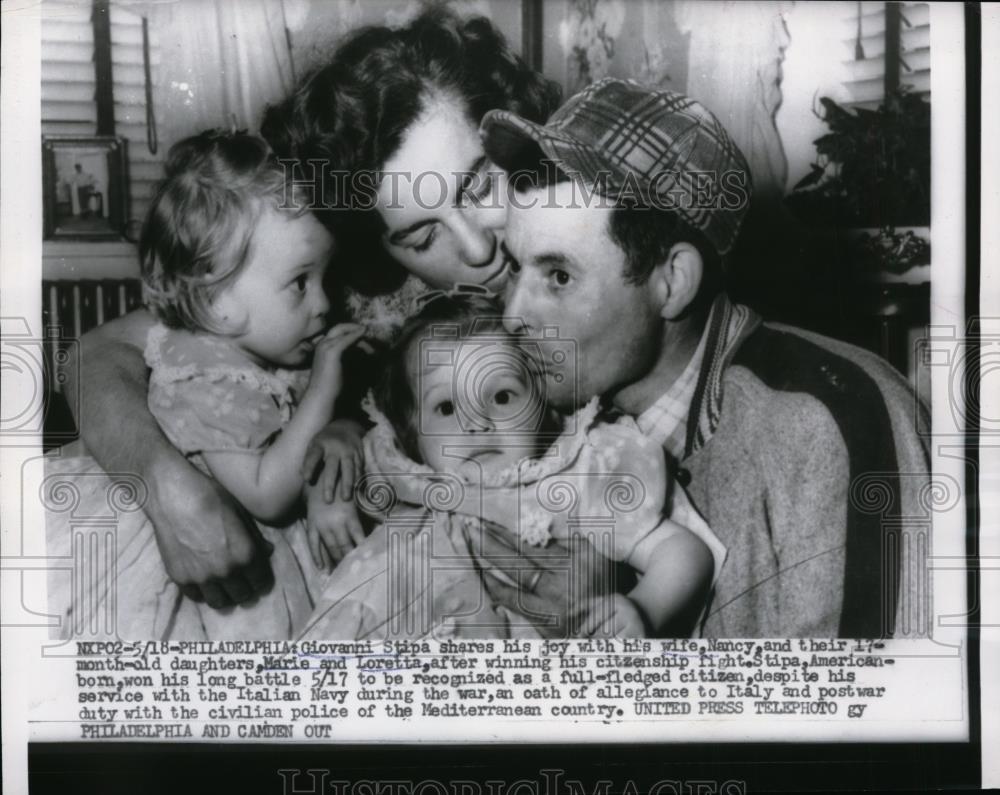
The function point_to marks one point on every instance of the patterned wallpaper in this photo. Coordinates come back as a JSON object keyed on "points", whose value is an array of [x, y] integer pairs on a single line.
{"points": [[676, 44]]}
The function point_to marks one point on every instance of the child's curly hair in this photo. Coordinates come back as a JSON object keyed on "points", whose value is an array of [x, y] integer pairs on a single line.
{"points": [[464, 315], [197, 234]]}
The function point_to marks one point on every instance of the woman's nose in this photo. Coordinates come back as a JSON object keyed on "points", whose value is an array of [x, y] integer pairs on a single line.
{"points": [[477, 244]]}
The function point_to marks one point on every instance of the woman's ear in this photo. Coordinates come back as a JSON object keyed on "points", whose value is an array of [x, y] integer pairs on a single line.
{"points": [[676, 280]]}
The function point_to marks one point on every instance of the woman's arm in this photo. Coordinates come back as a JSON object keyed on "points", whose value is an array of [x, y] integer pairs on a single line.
{"points": [[207, 546]]}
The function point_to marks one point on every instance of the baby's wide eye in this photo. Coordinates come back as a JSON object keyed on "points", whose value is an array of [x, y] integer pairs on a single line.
{"points": [[503, 397], [445, 408], [300, 283]]}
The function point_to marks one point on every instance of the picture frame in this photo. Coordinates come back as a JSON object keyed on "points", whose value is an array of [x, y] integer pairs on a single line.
{"points": [[85, 189]]}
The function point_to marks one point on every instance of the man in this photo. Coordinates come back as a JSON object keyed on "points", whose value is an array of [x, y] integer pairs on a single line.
{"points": [[625, 204]]}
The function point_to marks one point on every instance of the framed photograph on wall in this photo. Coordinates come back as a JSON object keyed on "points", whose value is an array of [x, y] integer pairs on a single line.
{"points": [[84, 187]]}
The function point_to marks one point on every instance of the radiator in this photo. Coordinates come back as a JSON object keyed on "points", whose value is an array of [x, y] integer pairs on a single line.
{"points": [[72, 308]]}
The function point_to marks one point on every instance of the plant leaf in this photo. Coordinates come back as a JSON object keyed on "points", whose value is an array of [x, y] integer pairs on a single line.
{"points": [[814, 176], [834, 112]]}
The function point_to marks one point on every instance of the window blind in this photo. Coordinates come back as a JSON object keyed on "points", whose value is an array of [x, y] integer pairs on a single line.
{"points": [[68, 87], [864, 54], [145, 168], [68, 84]]}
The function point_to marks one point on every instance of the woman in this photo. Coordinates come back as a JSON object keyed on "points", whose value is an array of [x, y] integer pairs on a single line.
{"points": [[406, 101], [405, 105]]}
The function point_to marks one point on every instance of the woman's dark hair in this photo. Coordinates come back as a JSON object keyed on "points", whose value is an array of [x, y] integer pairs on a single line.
{"points": [[352, 113]]}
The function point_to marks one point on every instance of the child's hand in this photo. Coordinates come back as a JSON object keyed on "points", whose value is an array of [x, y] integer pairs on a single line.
{"points": [[333, 529], [327, 371], [338, 448], [614, 616]]}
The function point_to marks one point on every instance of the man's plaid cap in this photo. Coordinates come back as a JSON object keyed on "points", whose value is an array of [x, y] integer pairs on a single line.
{"points": [[625, 139]]}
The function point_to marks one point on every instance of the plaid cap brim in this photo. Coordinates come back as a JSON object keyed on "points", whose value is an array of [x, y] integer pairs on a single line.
{"points": [[508, 137], [628, 142]]}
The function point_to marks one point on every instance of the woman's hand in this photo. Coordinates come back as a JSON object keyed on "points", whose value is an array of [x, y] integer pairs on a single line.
{"points": [[210, 546], [554, 586], [335, 453], [332, 528]]}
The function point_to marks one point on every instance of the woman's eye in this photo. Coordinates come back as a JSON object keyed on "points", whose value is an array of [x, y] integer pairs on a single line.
{"points": [[485, 186], [479, 188], [445, 408], [427, 242], [559, 278]]}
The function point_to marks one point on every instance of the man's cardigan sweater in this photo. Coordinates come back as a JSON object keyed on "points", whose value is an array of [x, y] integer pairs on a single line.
{"points": [[808, 457]]}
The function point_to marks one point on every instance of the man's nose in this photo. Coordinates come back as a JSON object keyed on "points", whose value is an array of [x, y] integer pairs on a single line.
{"points": [[477, 244], [516, 308]]}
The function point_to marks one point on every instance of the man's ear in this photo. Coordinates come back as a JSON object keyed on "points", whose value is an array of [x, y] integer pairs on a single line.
{"points": [[676, 280]]}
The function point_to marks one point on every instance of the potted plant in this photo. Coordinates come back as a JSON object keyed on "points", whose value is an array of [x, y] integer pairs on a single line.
{"points": [[872, 171]]}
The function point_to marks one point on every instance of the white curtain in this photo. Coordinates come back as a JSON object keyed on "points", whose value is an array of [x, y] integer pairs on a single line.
{"points": [[734, 68], [726, 55], [222, 61]]}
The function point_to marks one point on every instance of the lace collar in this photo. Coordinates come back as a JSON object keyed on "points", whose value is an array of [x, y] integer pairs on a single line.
{"points": [[384, 315], [383, 454]]}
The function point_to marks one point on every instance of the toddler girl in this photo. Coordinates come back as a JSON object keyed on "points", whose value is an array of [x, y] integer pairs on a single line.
{"points": [[462, 436], [236, 284]]}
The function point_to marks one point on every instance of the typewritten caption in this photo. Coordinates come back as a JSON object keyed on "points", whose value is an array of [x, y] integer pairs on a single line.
{"points": [[323, 690]]}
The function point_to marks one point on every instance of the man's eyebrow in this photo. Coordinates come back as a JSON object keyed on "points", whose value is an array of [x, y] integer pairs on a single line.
{"points": [[552, 258], [547, 259]]}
